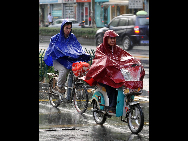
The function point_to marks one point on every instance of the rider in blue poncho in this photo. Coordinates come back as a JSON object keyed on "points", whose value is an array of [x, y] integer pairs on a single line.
{"points": [[64, 49]]}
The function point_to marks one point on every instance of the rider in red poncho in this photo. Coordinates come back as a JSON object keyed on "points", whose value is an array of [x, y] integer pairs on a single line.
{"points": [[106, 68]]}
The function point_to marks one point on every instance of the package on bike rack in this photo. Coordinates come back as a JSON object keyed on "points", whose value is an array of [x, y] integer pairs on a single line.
{"points": [[79, 68]]}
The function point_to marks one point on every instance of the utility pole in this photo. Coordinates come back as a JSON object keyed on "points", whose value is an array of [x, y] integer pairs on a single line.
{"points": [[93, 13]]}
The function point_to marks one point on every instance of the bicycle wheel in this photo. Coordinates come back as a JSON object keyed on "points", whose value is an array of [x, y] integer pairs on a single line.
{"points": [[136, 119], [54, 99], [99, 117], [80, 99]]}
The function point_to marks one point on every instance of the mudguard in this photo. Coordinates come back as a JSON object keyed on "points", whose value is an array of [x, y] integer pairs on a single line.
{"points": [[98, 96]]}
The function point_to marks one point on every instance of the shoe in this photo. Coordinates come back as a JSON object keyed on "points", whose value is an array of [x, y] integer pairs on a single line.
{"points": [[112, 110], [57, 89]]}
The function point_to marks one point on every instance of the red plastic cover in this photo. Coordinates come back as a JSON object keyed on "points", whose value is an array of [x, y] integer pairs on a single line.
{"points": [[79, 68], [107, 65]]}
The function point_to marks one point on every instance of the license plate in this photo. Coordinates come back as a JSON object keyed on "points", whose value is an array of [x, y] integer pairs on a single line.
{"points": [[144, 41], [131, 90], [126, 91]]}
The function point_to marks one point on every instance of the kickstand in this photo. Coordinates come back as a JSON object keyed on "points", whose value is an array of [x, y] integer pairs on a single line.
{"points": [[123, 120]]}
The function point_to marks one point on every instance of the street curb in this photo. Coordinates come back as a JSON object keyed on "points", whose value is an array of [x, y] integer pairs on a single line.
{"points": [[141, 56], [141, 98]]}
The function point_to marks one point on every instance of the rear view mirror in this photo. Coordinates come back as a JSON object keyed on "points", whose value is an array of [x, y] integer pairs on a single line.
{"points": [[105, 25]]}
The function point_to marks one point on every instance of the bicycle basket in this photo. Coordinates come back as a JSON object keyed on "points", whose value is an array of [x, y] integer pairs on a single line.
{"points": [[131, 73]]}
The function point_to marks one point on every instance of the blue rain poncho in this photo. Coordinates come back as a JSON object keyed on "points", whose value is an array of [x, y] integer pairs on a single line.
{"points": [[65, 50]]}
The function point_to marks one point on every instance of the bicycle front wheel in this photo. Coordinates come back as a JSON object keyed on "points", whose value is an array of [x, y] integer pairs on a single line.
{"points": [[54, 99], [80, 99], [136, 119]]}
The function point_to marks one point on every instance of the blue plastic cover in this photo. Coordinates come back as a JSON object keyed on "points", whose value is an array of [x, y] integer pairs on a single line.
{"points": [[65, 50], [120, 102]]}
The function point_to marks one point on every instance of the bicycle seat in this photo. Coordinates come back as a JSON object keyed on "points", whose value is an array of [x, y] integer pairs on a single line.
{"points": [[134, 93]]}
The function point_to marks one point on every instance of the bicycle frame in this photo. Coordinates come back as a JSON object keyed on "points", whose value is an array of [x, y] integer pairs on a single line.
{"points": [[70, 85], [122, 106]]}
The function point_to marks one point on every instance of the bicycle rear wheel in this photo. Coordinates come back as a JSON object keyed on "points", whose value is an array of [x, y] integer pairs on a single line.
{"points": [[80, 99]]}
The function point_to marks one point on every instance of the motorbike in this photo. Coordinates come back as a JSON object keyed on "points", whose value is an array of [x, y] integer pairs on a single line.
{"points": [[126, 107], [129, 110], [82, 24]]}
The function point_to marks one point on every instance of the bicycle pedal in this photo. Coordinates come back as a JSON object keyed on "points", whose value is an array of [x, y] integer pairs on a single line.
{"points": [[94, 110], [56, 92], [64, 100], [112, 114]]}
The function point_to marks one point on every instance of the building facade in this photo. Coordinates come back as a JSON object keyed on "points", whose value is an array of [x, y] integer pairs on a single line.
{"points": [[146, 6], [80, 10], [69, 9], [106, 10], [83, 11], [50, 6]]}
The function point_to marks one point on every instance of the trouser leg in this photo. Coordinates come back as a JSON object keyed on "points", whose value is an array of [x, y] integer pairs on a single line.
{"points": [[112, 95], [69, 85], [62, 73]]}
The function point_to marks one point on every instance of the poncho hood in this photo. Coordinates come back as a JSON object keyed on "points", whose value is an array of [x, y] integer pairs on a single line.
{"points": [[65, 50], [62, 25], [109, 33]]}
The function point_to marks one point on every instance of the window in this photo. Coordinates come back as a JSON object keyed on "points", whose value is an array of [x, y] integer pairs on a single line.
{"points": [[118, 11], [58, 22], [114, 23], [131, 21], [56, 11], [144, 21], [74, 22], [69, 11], [123, 22], [105, 15]]}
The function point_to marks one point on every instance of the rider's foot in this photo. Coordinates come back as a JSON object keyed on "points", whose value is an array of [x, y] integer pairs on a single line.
{"points": [[112, 110], [65, 100], [60, 90]]}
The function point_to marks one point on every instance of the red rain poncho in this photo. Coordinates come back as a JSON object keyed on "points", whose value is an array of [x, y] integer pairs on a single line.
{"points": [[107, 64]]}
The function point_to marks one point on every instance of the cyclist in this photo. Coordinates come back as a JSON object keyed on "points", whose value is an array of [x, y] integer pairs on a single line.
{"points": [[64, 49], [106, 68]]}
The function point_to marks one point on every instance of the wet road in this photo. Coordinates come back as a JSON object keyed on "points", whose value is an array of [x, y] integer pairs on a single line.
{"points": [[64, 123]]}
